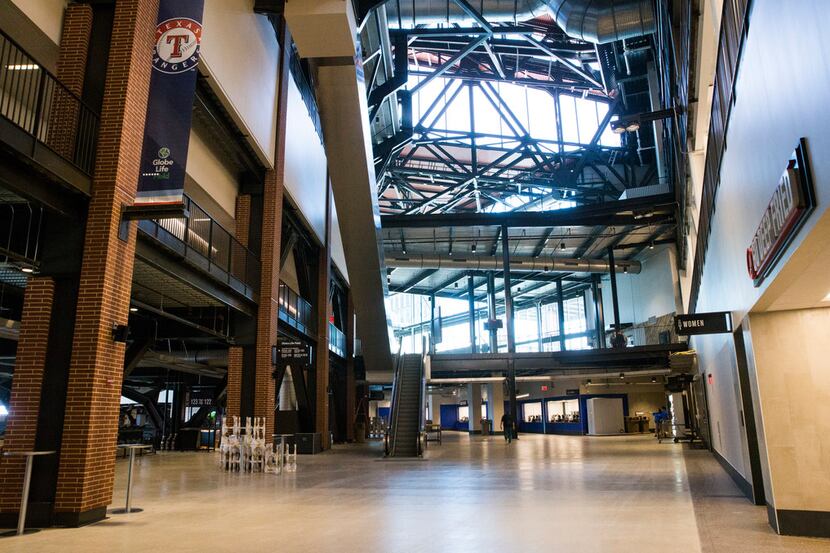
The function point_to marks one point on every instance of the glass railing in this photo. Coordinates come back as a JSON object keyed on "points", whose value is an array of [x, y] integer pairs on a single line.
{"points": [[33, 100], [207, 245], [337, 341], [295, 311]]}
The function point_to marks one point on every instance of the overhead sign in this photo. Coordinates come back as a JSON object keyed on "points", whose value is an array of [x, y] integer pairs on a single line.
{"points": [[291, 352], [791, 204], [170, 105], [572, 391], [201, 397], [703, 323]]}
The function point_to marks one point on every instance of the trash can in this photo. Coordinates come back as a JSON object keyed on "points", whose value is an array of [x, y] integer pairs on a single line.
{"points": [[486, 427]]}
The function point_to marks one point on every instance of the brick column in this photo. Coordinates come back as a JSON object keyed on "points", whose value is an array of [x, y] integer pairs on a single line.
{"points": [[64, 111], [243, 218], [234, 394], [24, 407], [268, 314], [87, 456], [351, 389]]}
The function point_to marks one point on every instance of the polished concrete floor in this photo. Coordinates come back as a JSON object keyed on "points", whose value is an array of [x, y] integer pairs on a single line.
{"points": [[543, 493]]}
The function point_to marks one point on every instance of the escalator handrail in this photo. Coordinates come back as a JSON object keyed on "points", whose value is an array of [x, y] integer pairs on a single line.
{"points": [[423, 396], [393, 416]]}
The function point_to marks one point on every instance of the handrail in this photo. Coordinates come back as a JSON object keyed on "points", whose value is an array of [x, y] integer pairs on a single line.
{"points": [[207, 244], [396, 387], [38, 103], [423, 395]]}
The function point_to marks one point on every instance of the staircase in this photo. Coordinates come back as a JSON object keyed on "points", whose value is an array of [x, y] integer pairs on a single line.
{"points": [[406, 409]]}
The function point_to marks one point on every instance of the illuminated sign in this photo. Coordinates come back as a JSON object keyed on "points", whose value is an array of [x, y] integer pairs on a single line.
{"points": [[791, 204]]}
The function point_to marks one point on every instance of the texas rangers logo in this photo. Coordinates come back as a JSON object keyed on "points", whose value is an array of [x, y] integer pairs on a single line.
{"points": [[177, 45]]}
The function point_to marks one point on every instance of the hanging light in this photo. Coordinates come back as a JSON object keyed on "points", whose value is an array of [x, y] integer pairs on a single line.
{"points": [[622, 376], [473, 248], [651, 246], [653, 379]]}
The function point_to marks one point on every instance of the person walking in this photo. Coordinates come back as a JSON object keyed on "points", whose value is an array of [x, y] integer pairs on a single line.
{"points": [[507, 426]]}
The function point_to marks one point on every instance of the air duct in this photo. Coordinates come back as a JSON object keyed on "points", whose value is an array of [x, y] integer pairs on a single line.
{"points": [[517, 264], [596, 21]]}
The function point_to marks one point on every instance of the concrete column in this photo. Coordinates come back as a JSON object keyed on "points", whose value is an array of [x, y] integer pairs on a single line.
{"points": [[351, 387], [495, 399], [24, 407], [474, 403], [321, 362], [560, 308]]}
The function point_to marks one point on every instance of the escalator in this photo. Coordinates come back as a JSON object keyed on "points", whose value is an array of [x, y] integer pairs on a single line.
{"points": [[407, 414]]}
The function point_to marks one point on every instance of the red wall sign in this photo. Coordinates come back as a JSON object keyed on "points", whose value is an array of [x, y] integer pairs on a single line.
{"points": [[791, 204]]}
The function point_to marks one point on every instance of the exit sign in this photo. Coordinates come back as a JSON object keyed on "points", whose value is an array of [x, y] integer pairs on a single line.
{"points": [[544, 388]]}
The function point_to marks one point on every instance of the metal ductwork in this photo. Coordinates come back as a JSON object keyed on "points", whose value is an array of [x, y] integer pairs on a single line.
{"points": [[596, 21], [517, 264]]}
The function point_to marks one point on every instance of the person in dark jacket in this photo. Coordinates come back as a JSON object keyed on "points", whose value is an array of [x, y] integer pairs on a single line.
{"points": [[507, 426]]}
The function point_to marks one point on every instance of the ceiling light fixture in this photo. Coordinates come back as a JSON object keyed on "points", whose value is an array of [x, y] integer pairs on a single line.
{"points": [[522, 396], [622, 376], [473, 248], [653, 379], [27, 270], [22, 67], [133, 309]]}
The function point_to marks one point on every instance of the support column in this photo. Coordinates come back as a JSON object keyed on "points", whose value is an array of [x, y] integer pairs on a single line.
{"points": [[24, 407], [321, 362], [614, 299], [87, 454], [351, 387], [540, 340], [491, 309], [471, 302], [233, 401], [474, 403], [495, 399], [511, 331], [269, 255], [268, 314], [599, 312], [560, 303]]}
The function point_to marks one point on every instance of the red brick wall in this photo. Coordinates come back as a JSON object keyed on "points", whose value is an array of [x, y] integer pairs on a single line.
{"points": [[21, 427], [87, 456], [234, 396], [243, 218], [74, 47], [268, 314]]}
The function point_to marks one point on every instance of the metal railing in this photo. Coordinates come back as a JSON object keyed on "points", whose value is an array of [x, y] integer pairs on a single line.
{"points": [[296, 311], [206, 244], [36, 102]]}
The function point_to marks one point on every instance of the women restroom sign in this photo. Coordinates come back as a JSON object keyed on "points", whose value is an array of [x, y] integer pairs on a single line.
{"points": [[703, 323]]}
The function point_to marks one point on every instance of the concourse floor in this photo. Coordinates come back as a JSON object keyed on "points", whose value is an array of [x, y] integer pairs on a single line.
{"points": [[472, 495]]}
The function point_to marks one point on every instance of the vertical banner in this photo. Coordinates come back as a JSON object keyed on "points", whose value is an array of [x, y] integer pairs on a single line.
{"points": [[170, 106]]}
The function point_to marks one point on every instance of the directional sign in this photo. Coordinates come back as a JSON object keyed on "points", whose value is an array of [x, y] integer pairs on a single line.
{"points": [[291, 352], [703, 323]]}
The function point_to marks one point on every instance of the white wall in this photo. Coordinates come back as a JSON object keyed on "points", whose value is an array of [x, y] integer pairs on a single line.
{"points": [[651, 293], [776, 104], [241, 56], [306, 167], [338, 254], [46, 14], [207, 169]]}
